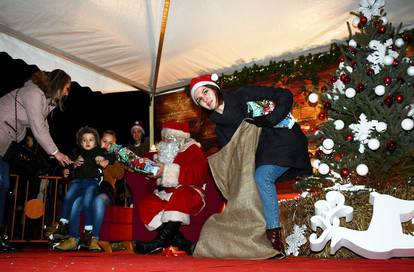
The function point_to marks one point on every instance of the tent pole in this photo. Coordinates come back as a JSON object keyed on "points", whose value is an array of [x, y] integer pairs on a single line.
{"points": [[157, 68]]}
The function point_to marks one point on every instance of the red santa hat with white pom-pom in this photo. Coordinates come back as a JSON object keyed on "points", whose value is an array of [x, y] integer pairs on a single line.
{"points": [[176, 129], [203, 80]]}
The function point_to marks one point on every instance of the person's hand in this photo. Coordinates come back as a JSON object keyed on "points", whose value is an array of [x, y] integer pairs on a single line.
{"points": [[79, 161], [62, 158], [66, 173], [260, 121], [160, 172]]}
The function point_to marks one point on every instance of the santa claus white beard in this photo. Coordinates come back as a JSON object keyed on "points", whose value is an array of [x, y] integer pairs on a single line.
{"points": [[168, 151]]}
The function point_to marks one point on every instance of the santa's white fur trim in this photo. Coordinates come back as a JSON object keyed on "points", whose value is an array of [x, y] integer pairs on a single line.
{"points": [[170, 175], [200, 84], [175, 132], [155, 222], [176, 216]]}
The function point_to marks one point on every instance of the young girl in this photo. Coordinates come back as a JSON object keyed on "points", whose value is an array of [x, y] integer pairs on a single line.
{"points": [[281, 153], [87, 173]]}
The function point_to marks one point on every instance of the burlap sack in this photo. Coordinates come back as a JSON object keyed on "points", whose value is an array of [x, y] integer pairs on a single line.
{"points": [[239, 231]]}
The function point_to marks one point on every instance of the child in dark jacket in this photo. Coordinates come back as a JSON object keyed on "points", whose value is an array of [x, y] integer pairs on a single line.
{"points": [[87, 174]]}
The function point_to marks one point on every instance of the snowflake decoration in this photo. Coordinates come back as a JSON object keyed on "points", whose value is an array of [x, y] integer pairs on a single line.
{"points": [[296, 240], [362, 130], [338, 86], [380, 51], [371, 8]]}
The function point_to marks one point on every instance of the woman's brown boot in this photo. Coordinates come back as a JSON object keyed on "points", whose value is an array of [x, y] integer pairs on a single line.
{"points": [[275, 237]]}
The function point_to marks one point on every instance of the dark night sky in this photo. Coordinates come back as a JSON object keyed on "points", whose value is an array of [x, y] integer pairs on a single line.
{"points": [[116, 111]]}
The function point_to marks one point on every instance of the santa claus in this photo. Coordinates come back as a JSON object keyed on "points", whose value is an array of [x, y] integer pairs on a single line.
{"points": [[181, 178]]}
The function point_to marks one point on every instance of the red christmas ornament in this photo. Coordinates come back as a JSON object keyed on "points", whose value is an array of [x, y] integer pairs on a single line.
{"points": [[387, 80], [395, 63], [334, 79], [341, 59], [349, 137], [360, 87], [338, 157], [322, 116], [370, 72], [405, 36], [391, 145], [327, 105], [381, 29], [344, 172], [399, 98], [363, 20], [318, 153], [388, 100], [345, 78], [354, 64]]}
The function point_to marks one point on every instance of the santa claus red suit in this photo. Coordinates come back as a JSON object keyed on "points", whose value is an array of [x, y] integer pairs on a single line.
{"points": [[180, 193]]}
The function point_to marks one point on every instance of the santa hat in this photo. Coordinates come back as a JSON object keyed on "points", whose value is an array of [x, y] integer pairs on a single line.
{"points": [[204, 80], [137, 125], [175, 128]]}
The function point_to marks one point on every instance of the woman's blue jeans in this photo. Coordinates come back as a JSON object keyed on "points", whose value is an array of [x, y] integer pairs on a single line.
{"points": [[100, 203], [4, 186], [266, 177], [80, 187]]}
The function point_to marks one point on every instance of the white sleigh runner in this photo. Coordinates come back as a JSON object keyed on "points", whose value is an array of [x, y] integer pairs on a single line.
{"points": [[384, 238]]}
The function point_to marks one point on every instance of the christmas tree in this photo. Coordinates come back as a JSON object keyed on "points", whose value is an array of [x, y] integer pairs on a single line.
{"points": [[368, 134]]}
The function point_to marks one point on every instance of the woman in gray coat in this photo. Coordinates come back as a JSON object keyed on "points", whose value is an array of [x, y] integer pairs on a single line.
{"points": [[31, 103]]}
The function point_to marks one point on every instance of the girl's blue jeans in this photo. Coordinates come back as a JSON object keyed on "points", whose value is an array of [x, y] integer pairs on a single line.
{"points": [[266, 177]]}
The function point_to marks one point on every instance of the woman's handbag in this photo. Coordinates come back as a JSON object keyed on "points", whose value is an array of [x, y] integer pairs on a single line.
{"points": [[22, 160]]}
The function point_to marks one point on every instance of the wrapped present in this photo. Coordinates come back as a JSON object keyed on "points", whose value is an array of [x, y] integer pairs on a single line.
{"points": [[264, 107], [132, 160]]}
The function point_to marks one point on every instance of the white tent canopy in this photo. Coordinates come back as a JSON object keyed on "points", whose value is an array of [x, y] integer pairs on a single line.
{"points": [[111, 45]]}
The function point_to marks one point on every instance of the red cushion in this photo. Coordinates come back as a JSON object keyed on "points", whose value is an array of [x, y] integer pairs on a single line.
{"points": [[118, 214]]}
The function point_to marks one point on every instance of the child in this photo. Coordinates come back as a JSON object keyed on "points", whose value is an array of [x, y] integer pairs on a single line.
{"points": [[87, 174]]}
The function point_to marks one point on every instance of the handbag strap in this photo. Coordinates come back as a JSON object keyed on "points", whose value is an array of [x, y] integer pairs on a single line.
{"points": [[15, 113]]}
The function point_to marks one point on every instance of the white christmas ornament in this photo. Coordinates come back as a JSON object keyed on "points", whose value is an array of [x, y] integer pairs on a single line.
{"points": [[388, 60], [355, 21], [323, 169], [313, 98], [296, 240], [362, 169], [373, 144], [316, 163], [328, 143], [339, 124], [407, 124], [384, 237], [399, 42], [381, 127], [326, 151], [384, 20], [352, 43], [410, 110], [410, 71], [350, 92], [379, 90], [214, 77]]}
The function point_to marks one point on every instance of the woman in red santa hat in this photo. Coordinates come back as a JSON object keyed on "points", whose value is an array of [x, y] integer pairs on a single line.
{"points": [[281, 153], [182, 174]]}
